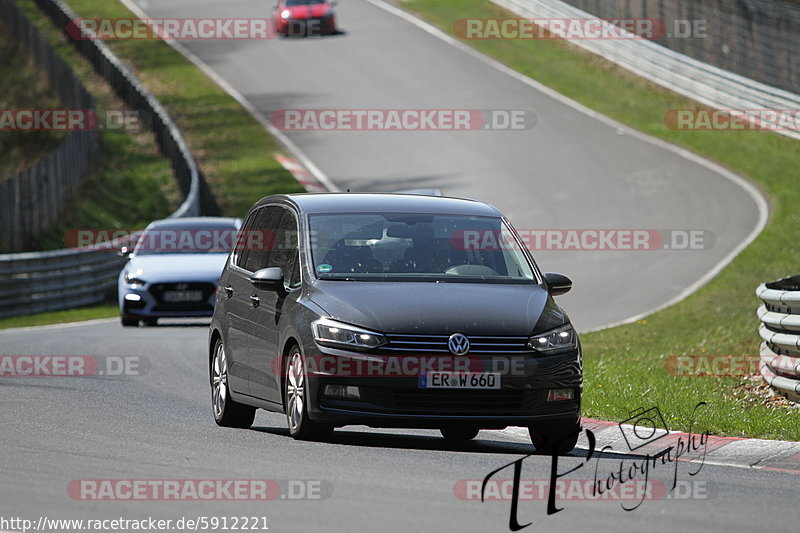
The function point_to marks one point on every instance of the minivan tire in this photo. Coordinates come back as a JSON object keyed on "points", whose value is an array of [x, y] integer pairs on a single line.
{"points": [[301, 427], [227, 412]]}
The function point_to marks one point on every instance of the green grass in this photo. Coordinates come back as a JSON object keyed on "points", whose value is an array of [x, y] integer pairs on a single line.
{"points": [[23, 86], [133, 184], [130, 183], [625, 366], [235, 153], [58, 317]]}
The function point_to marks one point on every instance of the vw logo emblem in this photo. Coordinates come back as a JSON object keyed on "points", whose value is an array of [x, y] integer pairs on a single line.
{"points": [[458, 343]]}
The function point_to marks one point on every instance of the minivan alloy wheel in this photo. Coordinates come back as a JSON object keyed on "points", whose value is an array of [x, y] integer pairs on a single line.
{"points": [[300, 426], [219, 381], [227, 412], [295, 391]]}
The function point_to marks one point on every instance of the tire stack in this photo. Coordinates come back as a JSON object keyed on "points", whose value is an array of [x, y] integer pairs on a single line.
{"points": [[780, 329]]}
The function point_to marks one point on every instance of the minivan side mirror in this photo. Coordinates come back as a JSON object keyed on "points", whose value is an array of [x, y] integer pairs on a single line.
{"points": [[267, 278], [124, 252], [557, 283]]}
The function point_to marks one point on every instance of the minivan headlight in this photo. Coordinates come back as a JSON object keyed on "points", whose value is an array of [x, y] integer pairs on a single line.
{"points": [[334, 334], [561, 339]]}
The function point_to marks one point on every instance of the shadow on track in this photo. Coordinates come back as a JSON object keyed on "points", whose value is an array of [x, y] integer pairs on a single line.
{"points": [[375, 439]]}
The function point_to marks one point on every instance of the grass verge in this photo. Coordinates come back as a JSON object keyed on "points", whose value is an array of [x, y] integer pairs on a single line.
{"points": [[625, 366], [23, 86], [130, 183], [59, 317], [235, 154]]}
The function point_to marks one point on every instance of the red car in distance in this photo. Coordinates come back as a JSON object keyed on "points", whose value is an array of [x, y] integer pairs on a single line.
{"points": [[305, 17]]}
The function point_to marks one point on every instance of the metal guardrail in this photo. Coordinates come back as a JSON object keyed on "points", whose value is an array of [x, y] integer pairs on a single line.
{"points": [[694, 79], [61, 279], [780, 330], [757, 39], [34, 199]]}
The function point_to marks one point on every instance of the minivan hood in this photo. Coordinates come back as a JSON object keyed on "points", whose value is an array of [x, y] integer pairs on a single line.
{"points": [[439, 308]]}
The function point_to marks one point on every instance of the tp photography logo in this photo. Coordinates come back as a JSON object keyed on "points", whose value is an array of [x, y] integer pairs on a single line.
{"points": [[643, 427], [629, 479]]}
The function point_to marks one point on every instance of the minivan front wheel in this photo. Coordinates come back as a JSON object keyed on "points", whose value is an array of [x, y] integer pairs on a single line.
{"points": [[300, 426], [227, 413]]}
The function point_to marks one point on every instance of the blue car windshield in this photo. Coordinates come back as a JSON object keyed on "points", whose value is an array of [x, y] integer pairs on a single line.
{"points": [[416, 247], [205, 238]]}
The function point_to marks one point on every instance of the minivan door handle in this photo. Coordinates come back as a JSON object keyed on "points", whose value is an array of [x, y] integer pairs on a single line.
{"points": [[256, 301], [228, 290]]}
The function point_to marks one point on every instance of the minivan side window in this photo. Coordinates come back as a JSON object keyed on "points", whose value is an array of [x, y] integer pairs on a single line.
{"points": [[241, 248], [286, 250], [260, 241]]}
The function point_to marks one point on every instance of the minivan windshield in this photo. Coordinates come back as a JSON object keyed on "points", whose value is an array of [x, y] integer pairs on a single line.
{"points": [[416, 247]]}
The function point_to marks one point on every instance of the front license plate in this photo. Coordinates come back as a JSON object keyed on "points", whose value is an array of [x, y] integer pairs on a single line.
{"points": [[459, 380], [183, 296]]}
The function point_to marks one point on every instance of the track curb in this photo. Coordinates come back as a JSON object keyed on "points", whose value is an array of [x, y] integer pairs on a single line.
{"points": [[759, 454]]}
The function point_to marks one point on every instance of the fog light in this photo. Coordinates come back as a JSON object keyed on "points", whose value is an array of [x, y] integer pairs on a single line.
{"points": [[350, 392], [133, 298], [557, 395]]}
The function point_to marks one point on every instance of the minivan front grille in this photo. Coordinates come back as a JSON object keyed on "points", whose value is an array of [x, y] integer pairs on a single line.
{"points": [[433, 344]]}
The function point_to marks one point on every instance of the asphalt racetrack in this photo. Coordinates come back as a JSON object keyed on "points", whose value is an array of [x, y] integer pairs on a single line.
{"points": [[570, 171]]}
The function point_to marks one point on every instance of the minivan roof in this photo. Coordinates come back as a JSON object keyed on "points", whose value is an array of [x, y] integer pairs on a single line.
{"points": [[383, 203]]}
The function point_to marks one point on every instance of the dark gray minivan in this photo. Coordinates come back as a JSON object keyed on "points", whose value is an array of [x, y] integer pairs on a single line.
{"points": [[392, 310]]}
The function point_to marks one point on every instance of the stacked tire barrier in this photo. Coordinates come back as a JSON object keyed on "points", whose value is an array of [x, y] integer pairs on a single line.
{"points": [[33, 200], [62, 279], [779, 314]]}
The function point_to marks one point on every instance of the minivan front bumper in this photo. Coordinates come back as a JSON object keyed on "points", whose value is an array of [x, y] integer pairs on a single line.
{"points": [[392, 400]]}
